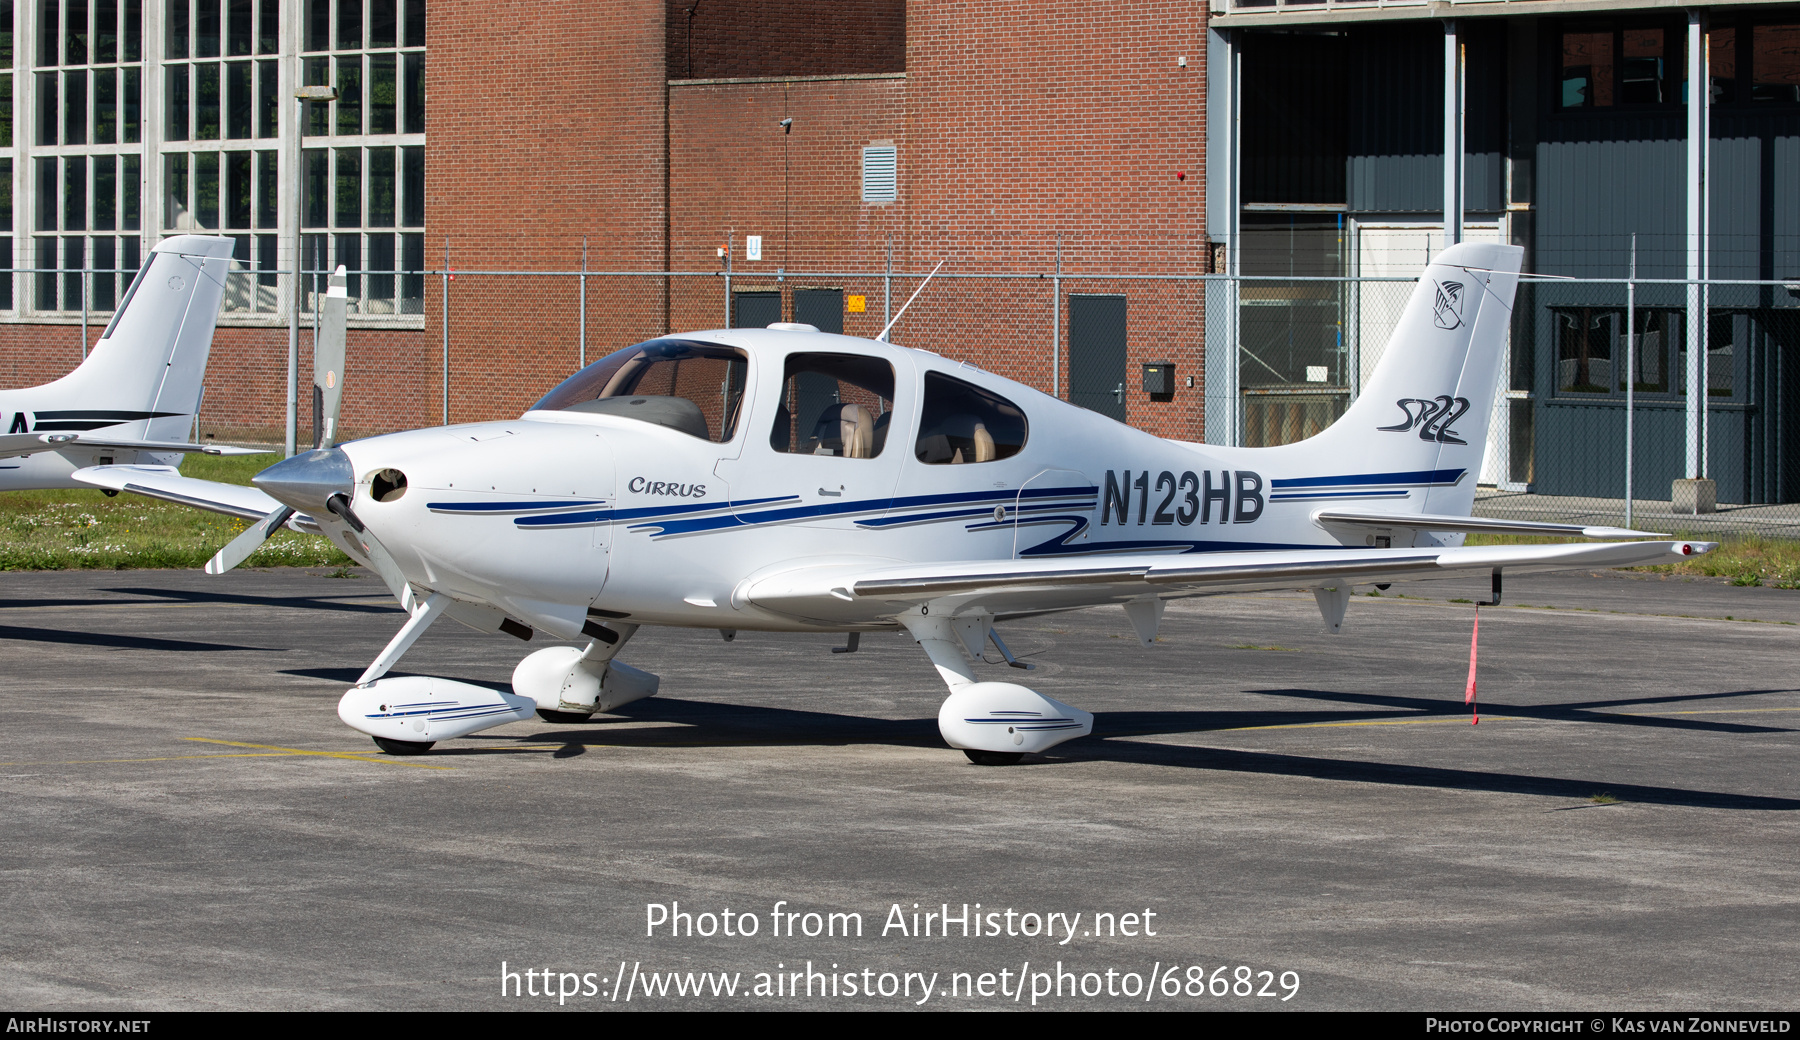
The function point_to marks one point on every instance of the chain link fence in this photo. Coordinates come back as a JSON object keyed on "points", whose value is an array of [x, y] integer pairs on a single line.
{"points": [[1594, 424]]}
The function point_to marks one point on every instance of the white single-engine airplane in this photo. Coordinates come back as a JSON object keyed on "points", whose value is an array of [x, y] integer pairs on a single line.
{"points": [[786, 480], [139, 388]]}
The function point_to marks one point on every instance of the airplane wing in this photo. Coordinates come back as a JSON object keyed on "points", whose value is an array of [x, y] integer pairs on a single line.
{"points": [[850, 592], [167, 484], [14, 444]]}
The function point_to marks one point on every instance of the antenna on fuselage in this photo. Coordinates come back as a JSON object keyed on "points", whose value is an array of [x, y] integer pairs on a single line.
{"points": [[883, 334]]}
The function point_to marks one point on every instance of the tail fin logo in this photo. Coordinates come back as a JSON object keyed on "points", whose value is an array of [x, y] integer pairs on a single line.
{"points": [[1432, 419], [1448, 305]]}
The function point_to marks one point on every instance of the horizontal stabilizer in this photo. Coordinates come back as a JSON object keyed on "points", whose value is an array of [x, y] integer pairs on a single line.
{"points": [[14, 444], [1469, 525]]}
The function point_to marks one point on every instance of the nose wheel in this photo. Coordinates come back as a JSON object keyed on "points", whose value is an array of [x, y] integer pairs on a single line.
{"points": [[993, 758], [404, 747]]}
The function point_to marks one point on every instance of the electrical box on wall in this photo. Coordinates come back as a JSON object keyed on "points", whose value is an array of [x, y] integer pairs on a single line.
{"points": [[1159, 379]]}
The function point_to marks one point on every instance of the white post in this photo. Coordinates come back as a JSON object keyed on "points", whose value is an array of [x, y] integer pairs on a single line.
{"points": [[1453, 135], [1056, 323], [583, 331], [318, 304], [887, 285], [1705, 337], [1234, 251], [445, 275], [1233, 238], [1631, 340], [290, 434], [1220, 363], [1699, 81]]}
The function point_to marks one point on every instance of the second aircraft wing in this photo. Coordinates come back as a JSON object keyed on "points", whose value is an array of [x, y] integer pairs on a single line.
{"points": [[167, 484]]}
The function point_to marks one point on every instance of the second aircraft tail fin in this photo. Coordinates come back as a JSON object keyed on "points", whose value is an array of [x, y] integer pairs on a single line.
{"points": [[151, 360]]}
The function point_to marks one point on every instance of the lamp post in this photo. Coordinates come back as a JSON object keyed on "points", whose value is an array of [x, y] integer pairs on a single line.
{"points": [[301, 97]]}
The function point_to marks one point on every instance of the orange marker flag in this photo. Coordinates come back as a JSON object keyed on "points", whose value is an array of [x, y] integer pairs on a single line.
{"points": [[1469, 694]]}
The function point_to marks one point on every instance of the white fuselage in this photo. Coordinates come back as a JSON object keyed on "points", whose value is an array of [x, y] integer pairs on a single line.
{"points": [[549, 515], [61, 408]]}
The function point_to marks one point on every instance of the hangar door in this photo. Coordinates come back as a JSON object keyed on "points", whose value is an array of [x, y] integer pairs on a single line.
{"points": [[1097, 354]]}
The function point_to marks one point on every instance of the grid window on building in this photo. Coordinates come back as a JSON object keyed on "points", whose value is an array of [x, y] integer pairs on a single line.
{"points": [[215, 138], [7, 155], [221, 124], [363, 167], [86, 152]]}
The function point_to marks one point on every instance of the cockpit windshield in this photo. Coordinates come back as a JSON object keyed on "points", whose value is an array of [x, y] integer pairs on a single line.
{"points": [[697, 388]]}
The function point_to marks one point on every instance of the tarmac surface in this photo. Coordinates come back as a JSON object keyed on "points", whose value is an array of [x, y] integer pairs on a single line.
{"points": [[188, 826]]}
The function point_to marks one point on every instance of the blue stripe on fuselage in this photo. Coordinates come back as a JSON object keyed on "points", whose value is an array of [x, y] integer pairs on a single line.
{"points": [[1432, 477], [699, 525]]}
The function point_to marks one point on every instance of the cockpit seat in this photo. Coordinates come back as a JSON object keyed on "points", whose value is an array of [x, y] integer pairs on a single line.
{"points": [[846, 430]]}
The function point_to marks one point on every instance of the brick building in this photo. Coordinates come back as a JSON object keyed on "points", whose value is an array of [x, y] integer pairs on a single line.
{"points": [[647, 133], [1091, 154]]}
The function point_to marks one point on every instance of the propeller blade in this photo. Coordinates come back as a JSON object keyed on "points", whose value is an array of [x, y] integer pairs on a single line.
{"points": [[328, 360], [372, 549], [251, 540]]}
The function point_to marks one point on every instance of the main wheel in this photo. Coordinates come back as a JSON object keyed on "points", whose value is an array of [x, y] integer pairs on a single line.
{"points": [[994, 758], [404, 747], [562, 716]]}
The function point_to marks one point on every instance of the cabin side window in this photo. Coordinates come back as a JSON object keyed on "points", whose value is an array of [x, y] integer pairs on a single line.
{"points": [[834, 404], [961, 422]]}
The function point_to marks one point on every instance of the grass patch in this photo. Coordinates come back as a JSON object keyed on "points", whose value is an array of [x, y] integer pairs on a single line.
{"points": [[1746, 560], [1603, 798], [88, 530]]}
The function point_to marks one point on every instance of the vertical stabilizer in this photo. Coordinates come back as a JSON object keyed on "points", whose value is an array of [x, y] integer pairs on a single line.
{"points": [[1427, 407], [151, 359]]}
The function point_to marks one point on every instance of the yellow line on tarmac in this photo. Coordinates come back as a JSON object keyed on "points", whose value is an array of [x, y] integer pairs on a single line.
{"points": [[164, 758], [1706, 711], [354, 756]]}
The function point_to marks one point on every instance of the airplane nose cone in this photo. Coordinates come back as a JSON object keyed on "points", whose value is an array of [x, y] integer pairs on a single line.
{"points": [[307, 480]]}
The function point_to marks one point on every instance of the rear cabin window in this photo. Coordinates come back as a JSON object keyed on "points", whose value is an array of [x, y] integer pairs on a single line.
{"points": [[961, 423], [697, 388], [834, 404]]}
